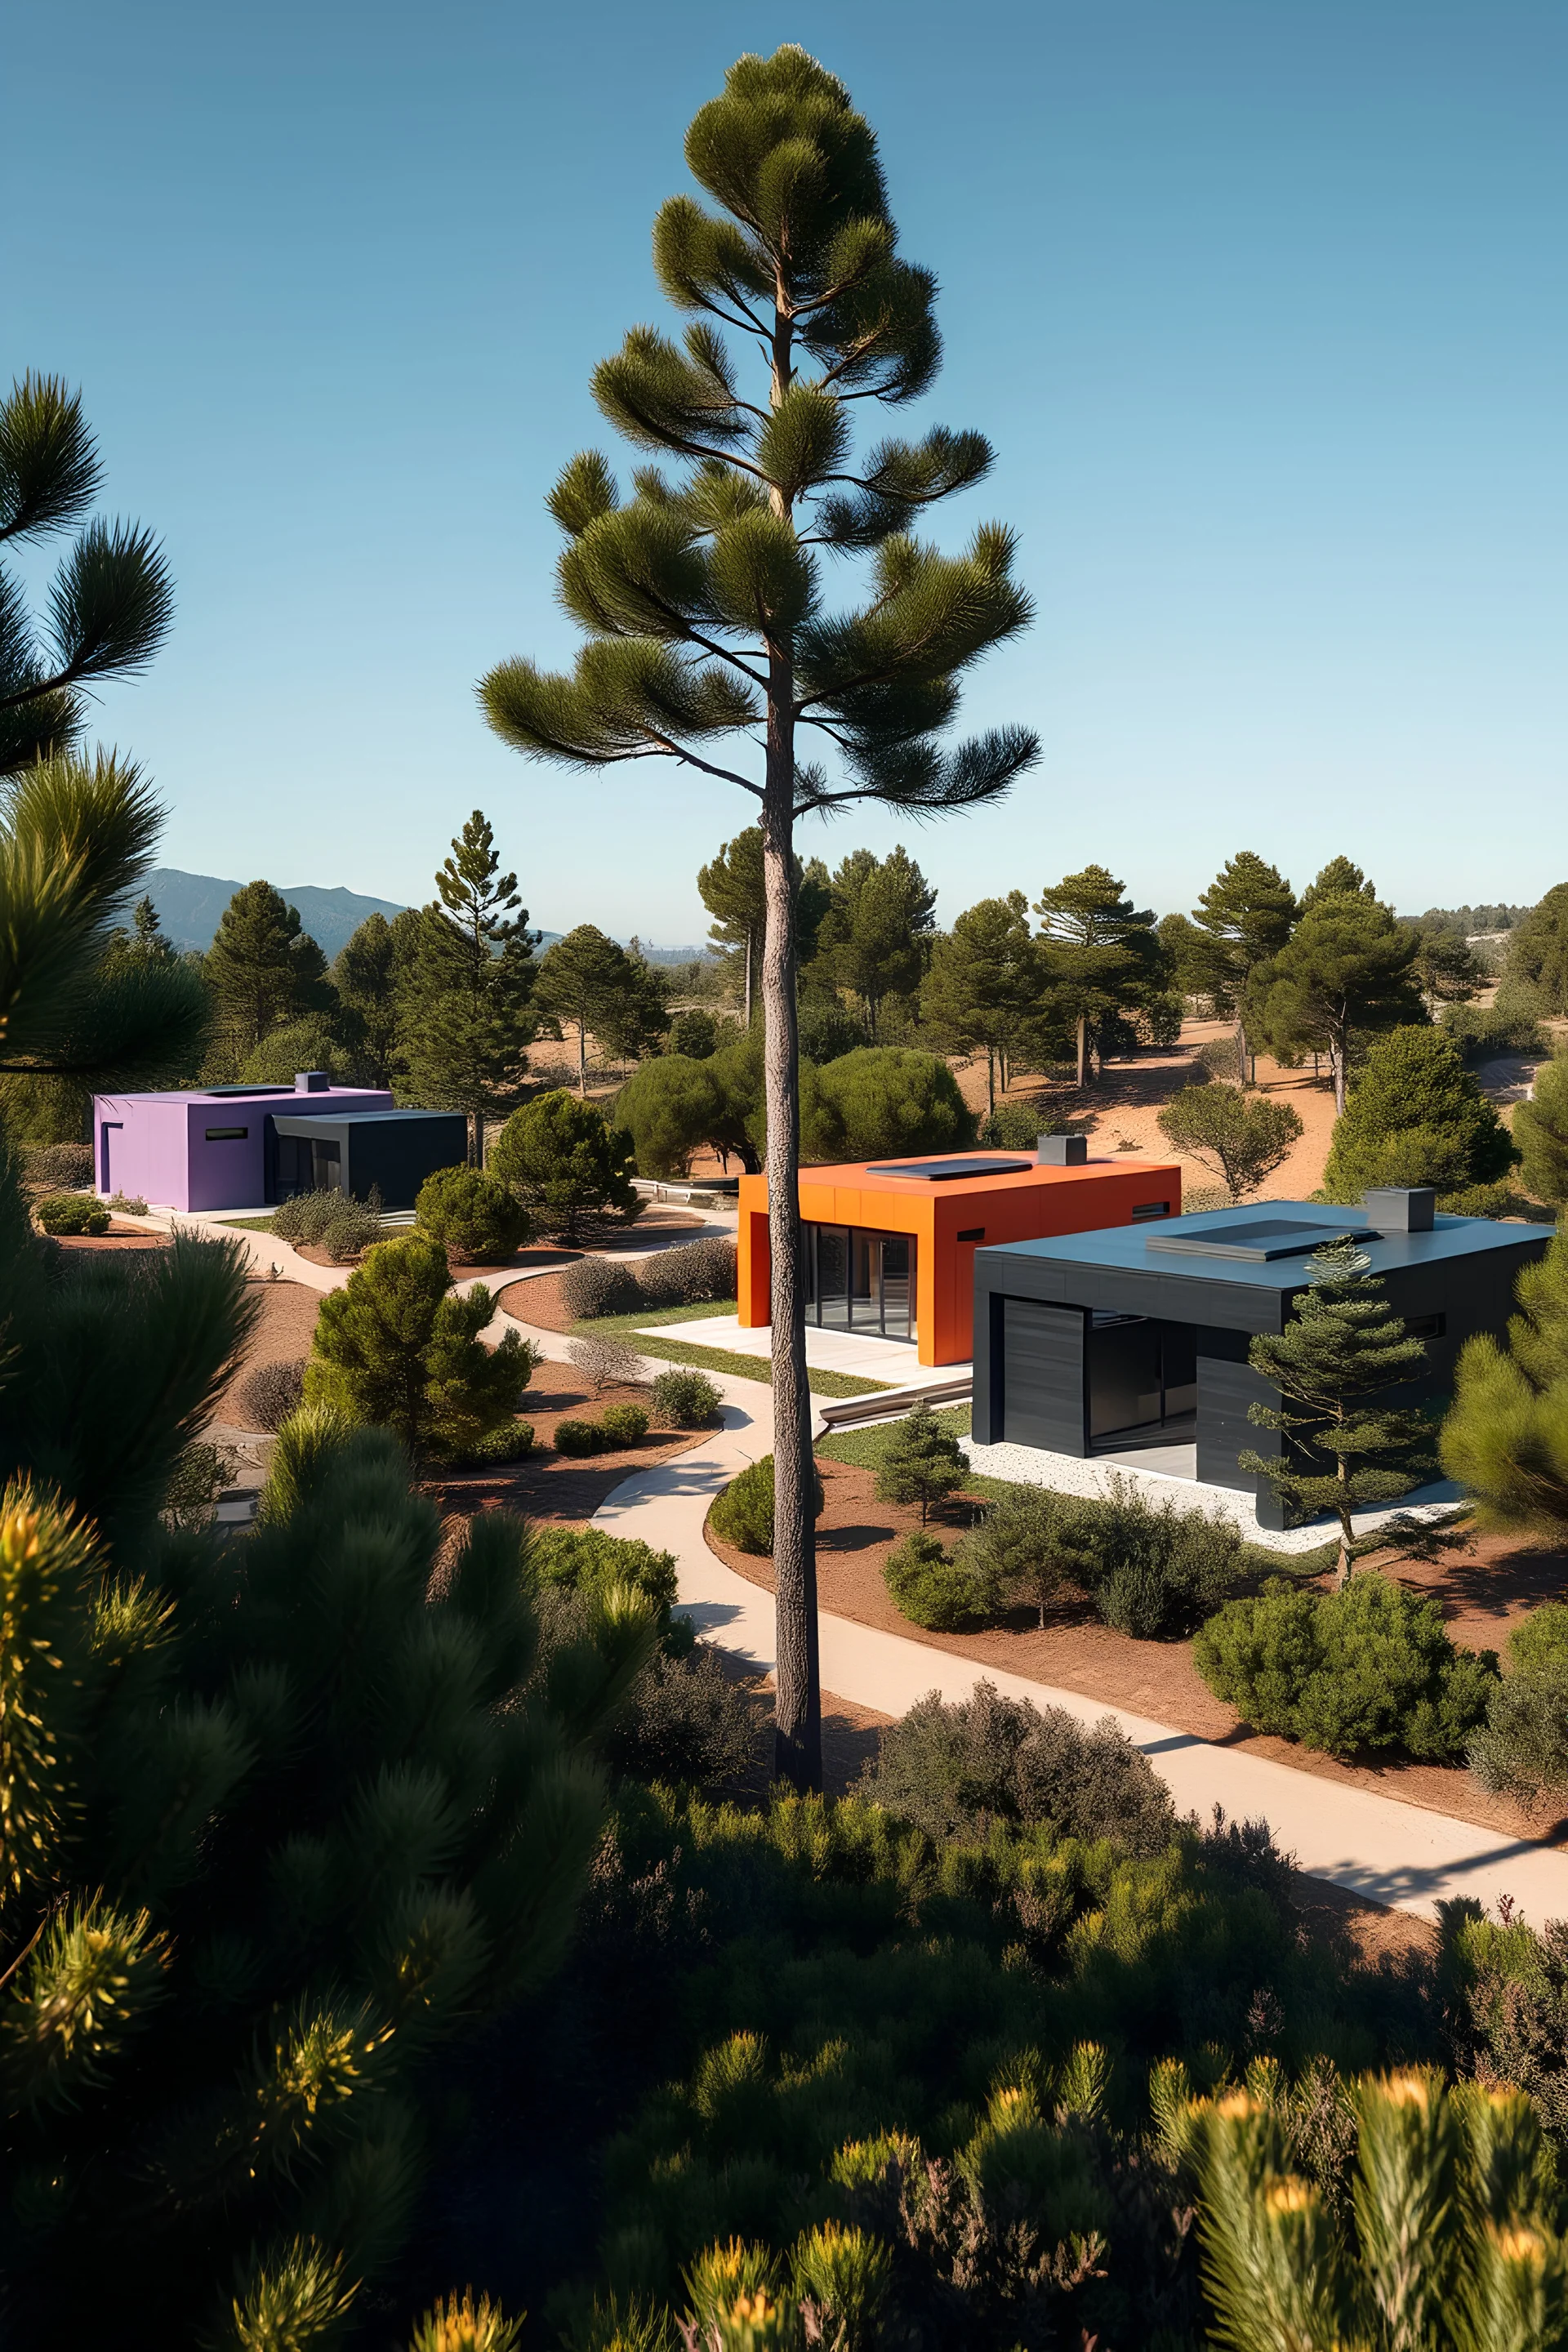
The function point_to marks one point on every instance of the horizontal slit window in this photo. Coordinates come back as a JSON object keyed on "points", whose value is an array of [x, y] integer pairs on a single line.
{"points": [[227, 1134], [1425, 1327], [1146, 1209], [974, 1233]]}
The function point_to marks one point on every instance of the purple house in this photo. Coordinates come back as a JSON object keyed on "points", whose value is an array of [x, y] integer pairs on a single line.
{"points": [[241, 1147]]}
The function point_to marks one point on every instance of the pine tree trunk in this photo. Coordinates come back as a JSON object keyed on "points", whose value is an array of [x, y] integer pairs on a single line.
{"points": [[583, 1058], [1337, 1066], [1082, 1044], [748, 978], [990, 1081], [797, 1711], [1347, 1532]]}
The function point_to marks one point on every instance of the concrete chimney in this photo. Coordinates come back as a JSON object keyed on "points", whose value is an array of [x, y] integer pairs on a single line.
{"points": [[1061, 1150], [311, 1082], [1401, 1207]]}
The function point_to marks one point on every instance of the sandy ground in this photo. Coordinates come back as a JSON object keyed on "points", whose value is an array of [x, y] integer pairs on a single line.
{"points": [[120, 1236], [656, 1224], [1075, 1651]]}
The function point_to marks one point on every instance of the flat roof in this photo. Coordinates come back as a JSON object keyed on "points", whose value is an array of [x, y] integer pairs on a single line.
{"points": [[372, 1117], [948, 1171], [1212, 1246], [978, 1168], [231, 1096]]}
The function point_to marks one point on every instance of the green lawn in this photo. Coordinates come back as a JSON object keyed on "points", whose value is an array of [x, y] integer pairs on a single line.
{"points": [[250, 1225], [640, 1327], [863, 1449]]}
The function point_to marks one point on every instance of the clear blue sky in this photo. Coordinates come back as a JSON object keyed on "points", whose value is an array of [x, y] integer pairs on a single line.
{"points": [[1263, 303]]}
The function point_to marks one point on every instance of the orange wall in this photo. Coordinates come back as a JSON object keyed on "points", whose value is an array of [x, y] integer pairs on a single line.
{"points": [[1021, 1208]]}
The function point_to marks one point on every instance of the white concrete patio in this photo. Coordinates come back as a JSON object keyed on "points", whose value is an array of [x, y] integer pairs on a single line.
{"points": [[857, 1352]]}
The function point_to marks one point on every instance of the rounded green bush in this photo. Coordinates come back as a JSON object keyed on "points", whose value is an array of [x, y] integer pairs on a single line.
{"points": [[509, 1442], [72, 1213], [1367, 1667], [481, 1221], [930, 1587], [624, 1424], [743, 1513], [587, 1559], [577, 1437], [685, 1400]]}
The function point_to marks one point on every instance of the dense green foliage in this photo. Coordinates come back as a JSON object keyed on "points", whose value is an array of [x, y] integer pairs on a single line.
{"points": [[1505, 1438], [672, 1106], [1538, 950], [952, 1770], [1414, 1115], [263, 971], [1346, 970], [932, 1590], [1540, 1132], [881, 1102], [1099, 955], [875, 932], [396, 1347], [1452, 2239], [1522, 1747], [566, 1163], [1345, 1444], [589, 980], [1241, 922], [1242, 1140], [743, 1514], [983, 986], [1366, 1667], [332, 1221], [480, 1220], [590, 1559]]}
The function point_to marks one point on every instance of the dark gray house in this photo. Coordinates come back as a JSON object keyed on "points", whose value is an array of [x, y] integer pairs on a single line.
{"points": [[1136, 1338]]}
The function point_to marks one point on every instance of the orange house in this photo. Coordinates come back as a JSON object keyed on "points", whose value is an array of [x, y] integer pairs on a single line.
{"points": [[889, 1244]]}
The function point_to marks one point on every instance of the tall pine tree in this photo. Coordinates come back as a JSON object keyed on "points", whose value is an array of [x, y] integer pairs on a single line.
{"points": [[1346, 1447], [468, 1014], [733, 888], [983, 984], [1243, 918], [1100, 954], [702, 597], [878, 931], [263, 969]]}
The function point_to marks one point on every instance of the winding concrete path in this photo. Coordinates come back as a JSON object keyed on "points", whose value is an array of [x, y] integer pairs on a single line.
{"points": [[1372, 1846], [1375, 1846]]}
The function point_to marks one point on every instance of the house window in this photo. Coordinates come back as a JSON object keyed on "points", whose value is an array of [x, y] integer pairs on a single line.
{"points": [[1425, 1327], [227, 1134], [972, 1234], [1147, 1209]]}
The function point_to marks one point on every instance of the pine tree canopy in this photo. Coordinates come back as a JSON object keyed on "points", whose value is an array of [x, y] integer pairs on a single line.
{"points": [[1414, 1114], [74, 838], [110, 603], [1538, 950], [1344, 1349], [1245, 915], [701, 595], [1506, 1435], [263, 967], [878, 929], [1540, 1130]]}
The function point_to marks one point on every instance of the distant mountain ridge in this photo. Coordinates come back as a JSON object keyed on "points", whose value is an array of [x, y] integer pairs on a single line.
{"points": [[190, 905]]}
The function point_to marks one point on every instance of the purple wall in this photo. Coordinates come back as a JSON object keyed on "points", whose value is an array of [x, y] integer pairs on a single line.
{"points": [[164, 1148]]}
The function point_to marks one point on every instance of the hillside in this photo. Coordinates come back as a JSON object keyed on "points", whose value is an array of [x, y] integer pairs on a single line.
{"points": [[189, 906]]}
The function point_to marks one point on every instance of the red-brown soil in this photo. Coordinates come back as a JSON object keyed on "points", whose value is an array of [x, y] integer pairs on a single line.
{"points": [[661, 1224], [286, 1321], [1075, 1651], [538, 1302], [120, 1236], [549, 1485]]}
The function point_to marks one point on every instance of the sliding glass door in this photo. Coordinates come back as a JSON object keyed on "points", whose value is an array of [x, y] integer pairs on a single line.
{"points": [[860, 1281]]}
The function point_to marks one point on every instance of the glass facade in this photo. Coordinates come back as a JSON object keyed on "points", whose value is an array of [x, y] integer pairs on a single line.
{"points": [[860, 1281]]}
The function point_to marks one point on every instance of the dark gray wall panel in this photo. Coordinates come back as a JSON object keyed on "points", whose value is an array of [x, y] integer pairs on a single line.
{"points": [[1042, 1399]]}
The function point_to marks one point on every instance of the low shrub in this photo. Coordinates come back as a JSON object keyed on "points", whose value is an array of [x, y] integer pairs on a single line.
{"points": [[599, 1285], [1218, 1057], [128, 1204], [1521, 1749], [742, 1515], [605, 1363], [931, 1587], [577, 1438], [685, 1400], [1017, 1125], [689, 1275], [950, 1769], [588, 1560], [334, 1222], [1150, 1570], [509, 1442], [71, 1212], [624, 1424], [685, 1723], [266, 1396], [199, 1477], [481, 1222], [1367, 1667], [64, 1167]]}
